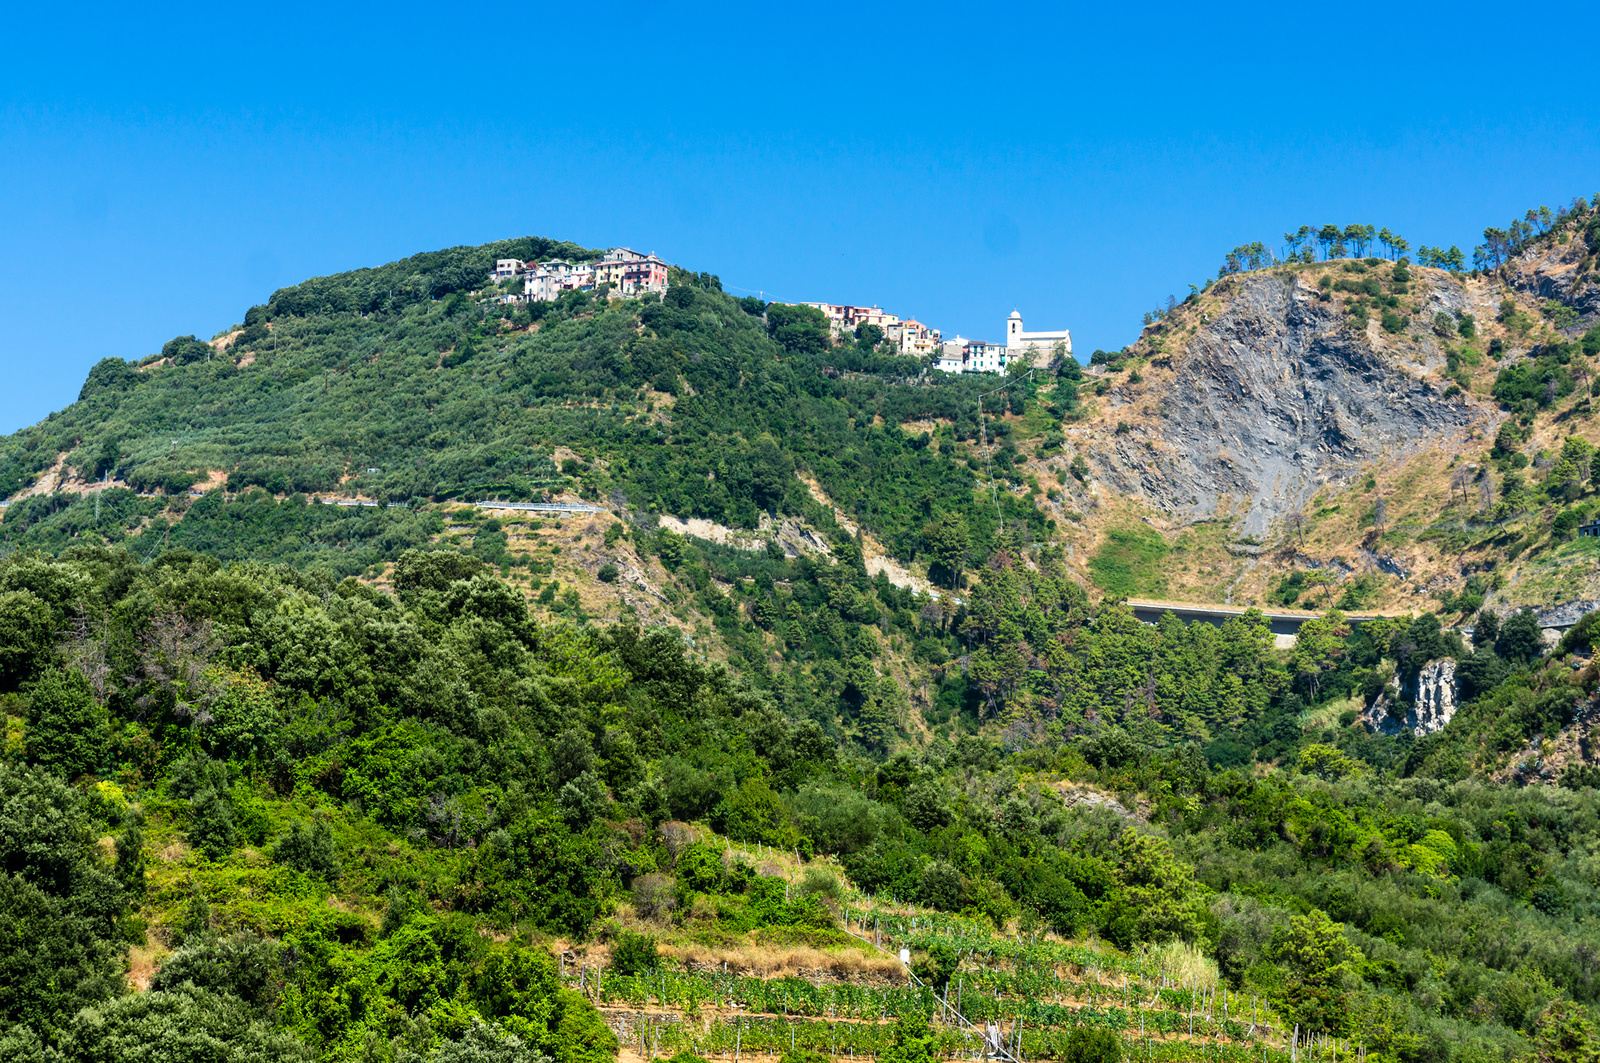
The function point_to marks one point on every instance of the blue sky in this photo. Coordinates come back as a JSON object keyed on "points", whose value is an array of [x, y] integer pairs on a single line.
{"points": [[159, 173]]}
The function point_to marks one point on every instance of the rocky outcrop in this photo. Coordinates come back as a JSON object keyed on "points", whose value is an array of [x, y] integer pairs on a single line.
{"points": [[1272, 399], [1566, 614], [1555, 272], [1437, 698], [1434, 702]]}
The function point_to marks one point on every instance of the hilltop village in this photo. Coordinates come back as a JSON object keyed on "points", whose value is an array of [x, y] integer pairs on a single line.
{"points": [[623, 271]]}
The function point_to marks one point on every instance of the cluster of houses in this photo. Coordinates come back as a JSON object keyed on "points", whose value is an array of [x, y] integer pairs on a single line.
{"points": [[910, 335], [626, 271], [957, 355]]}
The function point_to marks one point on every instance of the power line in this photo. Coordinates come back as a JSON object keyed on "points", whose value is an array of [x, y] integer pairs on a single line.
{"points": [[983, 438]]}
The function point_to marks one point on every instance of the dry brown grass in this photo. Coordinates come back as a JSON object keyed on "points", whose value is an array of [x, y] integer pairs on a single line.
{"points": [[765, 961], [144, 960], [631, 1055], [1185, 964]]}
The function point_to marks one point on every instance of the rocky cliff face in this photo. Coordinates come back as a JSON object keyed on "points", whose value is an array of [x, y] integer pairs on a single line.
{"points": [[1276, 396], [1557, 272], [1433, 704], [1437, 698]]}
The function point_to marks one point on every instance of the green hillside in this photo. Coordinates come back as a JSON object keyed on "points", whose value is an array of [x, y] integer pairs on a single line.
{"points": [[287, 780], [366, 384], [317, 819]]}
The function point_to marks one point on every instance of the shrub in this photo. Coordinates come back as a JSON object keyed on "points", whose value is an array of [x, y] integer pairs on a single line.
{"points": [[130, 866], [1521, 639], [942, 887], [1092, 1044], [211, 827], [241, 965], [653, 896], [185, 350], [820, 882], [582, 799], [699, 869], [482, 1042], [633, 953], [244, 718], [608, 573], [925, 805], [183, 1023], [26, 633], [938, 964], [755, 812], [308, 850]]}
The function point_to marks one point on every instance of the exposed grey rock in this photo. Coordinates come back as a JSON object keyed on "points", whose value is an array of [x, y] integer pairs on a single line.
{"points": [[1307, 561], [1437, 697], [1385, 563], [1274, 398], [1552, 273], [1566, 614], [1435, 700]]}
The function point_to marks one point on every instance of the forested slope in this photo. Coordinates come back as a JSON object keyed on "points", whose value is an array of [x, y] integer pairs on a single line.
{"points": [[310, 818], [344, 386]]}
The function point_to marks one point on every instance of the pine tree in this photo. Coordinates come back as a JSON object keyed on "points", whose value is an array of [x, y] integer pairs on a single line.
{"points": [[130, 860], [211, 828]]}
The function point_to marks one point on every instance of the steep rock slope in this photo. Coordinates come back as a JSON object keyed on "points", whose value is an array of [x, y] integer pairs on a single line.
{"points": [[1271, 399], [1561, 272]]}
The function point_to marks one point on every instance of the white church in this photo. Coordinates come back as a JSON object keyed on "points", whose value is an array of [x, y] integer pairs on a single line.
{"points": [[961, 355]]}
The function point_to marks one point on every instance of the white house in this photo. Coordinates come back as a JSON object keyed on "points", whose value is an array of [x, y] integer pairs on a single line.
{"points": [[541, 284], [961, 355], [1036, 347], [952, 356]]}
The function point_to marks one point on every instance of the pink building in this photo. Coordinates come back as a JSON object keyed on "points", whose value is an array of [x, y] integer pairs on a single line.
{"points": [[647, 274]]}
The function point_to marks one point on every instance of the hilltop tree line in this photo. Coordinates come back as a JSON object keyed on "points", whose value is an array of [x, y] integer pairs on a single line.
{"points": [[1536, 225], [1358, 240]]}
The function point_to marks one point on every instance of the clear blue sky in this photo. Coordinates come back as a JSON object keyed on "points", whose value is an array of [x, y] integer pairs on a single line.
{"points": [[160, 172]]}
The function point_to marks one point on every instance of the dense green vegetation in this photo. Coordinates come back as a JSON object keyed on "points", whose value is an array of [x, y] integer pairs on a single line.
{"points": [[255, 742], [398, 385]]}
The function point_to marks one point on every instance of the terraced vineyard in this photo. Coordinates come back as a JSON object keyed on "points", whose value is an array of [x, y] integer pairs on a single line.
{"points": [[1018, 995]]}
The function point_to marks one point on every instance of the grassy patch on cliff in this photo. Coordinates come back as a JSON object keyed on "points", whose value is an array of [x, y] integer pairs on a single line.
{"points": [[1128, 563]]}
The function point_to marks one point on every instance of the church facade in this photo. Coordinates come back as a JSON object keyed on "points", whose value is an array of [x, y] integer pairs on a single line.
{"points": [[1036, 347], [961, 355]]}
